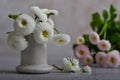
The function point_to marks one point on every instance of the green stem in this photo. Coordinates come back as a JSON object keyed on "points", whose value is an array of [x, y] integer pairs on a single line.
{"points": [[13, 16], [56, 30], [105, 33], [57, 67], [103, 29]]}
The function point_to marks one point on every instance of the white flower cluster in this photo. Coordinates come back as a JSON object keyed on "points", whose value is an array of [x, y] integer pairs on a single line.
{"points": [[72, 65], [41, 28]]}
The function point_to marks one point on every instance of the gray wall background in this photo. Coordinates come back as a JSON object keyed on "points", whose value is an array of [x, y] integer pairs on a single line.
{"points": [[74, 17]]}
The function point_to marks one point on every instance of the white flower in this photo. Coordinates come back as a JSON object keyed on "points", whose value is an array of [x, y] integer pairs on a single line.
{"points": [[70, 65], [42, 24], [50, 21], [16, 41], [61, 39], [80, 40], [104, 45], [39, 13], [86, 69], [50, 11], [94, 38], [43, 33], [24, 24]]}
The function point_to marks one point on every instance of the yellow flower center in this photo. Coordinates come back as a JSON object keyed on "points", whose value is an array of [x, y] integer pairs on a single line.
{"points": [[45, 33], [79, 40], [100, 59], [81, 52], [94, 38], [73, 64], [88, 60], [60, 41], [103, 45], [24, 22], [112, 60]]}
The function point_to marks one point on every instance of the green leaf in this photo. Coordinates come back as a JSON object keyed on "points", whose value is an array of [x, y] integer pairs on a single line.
{"points": [[14, 16], [86, 37], [113, 14], [74, 46], [115, 37], [96, 21], [116, 27], [112, 9], [105, 14]]}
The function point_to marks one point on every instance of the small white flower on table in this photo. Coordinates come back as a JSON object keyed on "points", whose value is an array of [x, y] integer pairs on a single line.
{"points": [[70, 65], [87, 70]]}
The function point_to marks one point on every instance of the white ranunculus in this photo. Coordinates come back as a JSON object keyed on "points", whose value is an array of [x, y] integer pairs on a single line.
{"points": [[43, 33], [80, 40], [39, 13], [24, 24], [43, 24], [16, 41], [70, 65], [86, 69], [61, 39], [50, 21], [50, 11]]}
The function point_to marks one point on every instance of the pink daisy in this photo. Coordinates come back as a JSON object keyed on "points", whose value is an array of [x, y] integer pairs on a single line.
{"points": [[112, 59], [100, 58], [115, 52], [80, 51], [94, 38], [88, 60], [104, 45]]}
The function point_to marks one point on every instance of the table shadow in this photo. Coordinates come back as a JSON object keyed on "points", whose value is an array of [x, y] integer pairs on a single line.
{"points": [[8, 71]]}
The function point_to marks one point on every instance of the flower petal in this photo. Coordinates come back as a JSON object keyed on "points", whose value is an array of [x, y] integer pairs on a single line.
{"points": [[17, 42], [39, 13], [61, 39], [24, 25], [43, 33]]}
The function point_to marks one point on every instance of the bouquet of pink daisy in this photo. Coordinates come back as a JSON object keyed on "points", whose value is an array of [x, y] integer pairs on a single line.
{"points": [[101, 45]]}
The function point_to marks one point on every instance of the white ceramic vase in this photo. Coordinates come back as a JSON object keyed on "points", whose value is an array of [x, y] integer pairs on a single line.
{"points": [[34, 58]]}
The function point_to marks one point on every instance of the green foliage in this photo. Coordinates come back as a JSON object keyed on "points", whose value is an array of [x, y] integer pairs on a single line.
{"points": [[14, 16], [107, 26], [74, 46], [105, 14], [96, 21]]}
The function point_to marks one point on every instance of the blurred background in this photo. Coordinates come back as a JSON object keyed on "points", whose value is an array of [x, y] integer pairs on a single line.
{"points": [[74, 19]]}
